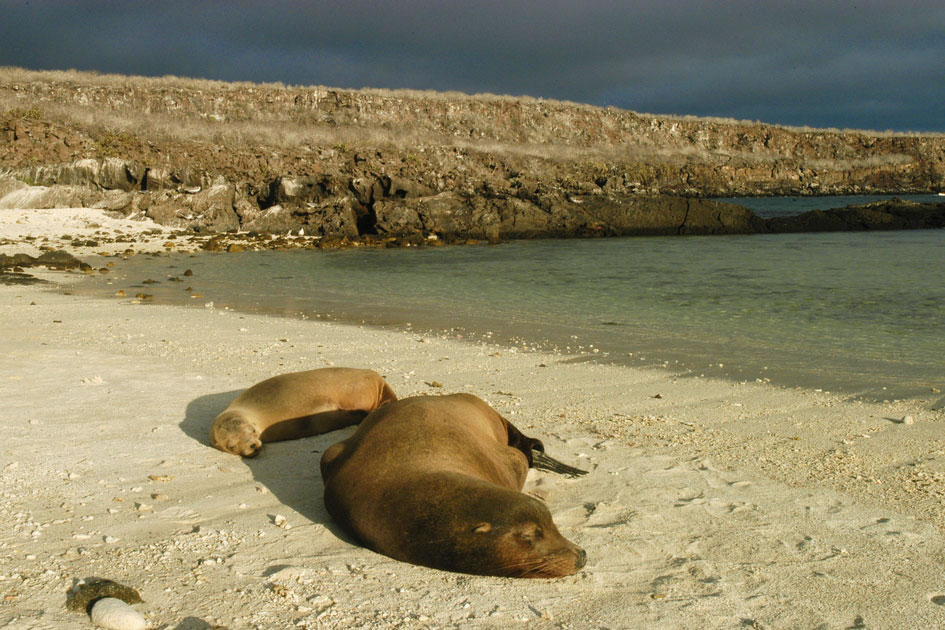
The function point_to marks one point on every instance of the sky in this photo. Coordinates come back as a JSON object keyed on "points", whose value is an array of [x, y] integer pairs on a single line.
{"points": [[827, 63]]}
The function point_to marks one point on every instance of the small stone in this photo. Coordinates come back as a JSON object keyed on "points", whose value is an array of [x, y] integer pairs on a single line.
{"points": [[320, 601], [908, 420], [110, 539]]}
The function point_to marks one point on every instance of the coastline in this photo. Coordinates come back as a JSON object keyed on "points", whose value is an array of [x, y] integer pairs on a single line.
{"points": [[714, 504]]}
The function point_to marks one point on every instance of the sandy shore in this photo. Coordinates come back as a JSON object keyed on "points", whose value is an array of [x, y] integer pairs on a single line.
{"points": [[27, 231], [709, 504]]}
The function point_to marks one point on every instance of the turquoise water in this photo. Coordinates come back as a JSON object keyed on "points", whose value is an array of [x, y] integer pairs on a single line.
{"points": [[862, 313]]}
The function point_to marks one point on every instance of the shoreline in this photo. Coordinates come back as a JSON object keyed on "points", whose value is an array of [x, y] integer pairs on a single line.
{"points": [[709, 505], [116, 240]]}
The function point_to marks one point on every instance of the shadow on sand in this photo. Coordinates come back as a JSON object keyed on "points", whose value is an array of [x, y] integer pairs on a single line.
{"points": [[289, 470]]}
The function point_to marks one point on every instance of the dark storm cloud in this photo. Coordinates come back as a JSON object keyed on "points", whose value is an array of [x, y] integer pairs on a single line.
{"points": [[828, 63]]}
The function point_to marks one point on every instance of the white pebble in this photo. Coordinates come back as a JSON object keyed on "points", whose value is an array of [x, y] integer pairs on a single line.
{"points": [[908, 420], [115, 614]]}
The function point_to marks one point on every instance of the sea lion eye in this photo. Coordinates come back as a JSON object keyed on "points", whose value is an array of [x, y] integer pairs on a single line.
{"points": [[532, 534], [481, 528]]}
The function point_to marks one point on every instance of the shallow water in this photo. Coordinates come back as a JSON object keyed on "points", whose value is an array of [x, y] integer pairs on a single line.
{"points": [[862, 313]]}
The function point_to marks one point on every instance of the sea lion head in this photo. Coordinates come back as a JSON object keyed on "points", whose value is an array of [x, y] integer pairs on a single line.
{"points": [[233, 433], [526, 543], [488, 530]]}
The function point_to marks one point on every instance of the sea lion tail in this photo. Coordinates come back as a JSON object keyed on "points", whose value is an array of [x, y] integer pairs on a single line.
{"points": [[545, 462]]}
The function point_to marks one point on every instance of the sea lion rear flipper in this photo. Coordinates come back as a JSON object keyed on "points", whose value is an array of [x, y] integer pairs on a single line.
{"points": [[534, 450], [522, 442], [544, 462]]}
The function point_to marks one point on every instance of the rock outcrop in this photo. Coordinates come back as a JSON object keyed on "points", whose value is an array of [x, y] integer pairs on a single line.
{"points": [[55, 259], [212, 157], [894, 214]]}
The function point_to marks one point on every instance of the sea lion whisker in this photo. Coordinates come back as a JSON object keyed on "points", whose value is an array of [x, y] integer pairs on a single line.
{"points": [[527, 566]]}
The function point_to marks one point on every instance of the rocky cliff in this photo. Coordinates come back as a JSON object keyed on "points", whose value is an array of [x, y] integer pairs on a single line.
{"points": [[209, 156]]}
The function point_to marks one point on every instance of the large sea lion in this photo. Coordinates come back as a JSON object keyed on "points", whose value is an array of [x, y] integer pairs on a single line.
{"points": [[297, 405], [436, 481]]}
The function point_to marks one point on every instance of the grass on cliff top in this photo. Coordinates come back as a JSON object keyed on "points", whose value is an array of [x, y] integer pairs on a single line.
{"points": [[11, 74], [402, 128]]}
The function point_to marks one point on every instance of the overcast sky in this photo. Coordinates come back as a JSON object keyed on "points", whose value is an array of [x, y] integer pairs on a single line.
{"points": [[827, 63]]}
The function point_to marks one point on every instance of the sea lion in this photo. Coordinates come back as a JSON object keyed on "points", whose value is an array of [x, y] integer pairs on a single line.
{"points": [[297, 405], [436, 481]]}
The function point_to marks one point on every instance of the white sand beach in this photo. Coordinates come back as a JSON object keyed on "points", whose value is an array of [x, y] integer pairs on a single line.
{"points": [[709, 504]]}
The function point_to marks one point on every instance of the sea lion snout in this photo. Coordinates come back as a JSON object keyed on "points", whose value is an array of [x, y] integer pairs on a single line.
{"points": [[581, 559], [568, 562], [233, 433]]}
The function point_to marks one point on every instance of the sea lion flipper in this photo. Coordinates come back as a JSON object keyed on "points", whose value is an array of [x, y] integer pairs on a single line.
{"points": [[542, 461], [522, 442]]}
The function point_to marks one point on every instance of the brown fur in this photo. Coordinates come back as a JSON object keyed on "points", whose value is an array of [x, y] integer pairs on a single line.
{"points": [[437, 481], [297, 405]]}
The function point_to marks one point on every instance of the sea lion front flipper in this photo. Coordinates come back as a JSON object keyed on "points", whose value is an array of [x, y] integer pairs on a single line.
{"points": [[542, 461]]}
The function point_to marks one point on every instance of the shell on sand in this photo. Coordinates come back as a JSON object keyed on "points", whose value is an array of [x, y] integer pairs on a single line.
{"points": [[114, 614]]}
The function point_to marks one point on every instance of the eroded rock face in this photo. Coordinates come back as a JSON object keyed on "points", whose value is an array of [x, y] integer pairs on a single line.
{"points": [[338, 206], [210, 210], [40, 197], [450, 215], [105, 174]]}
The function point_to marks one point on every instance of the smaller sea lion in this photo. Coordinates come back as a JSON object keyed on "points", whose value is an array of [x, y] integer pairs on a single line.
{"points": [[296, 405], [436, 481]]}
